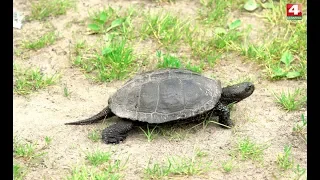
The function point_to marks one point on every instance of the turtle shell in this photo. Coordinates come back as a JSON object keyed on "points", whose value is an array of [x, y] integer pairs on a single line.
{"points": [[165, 95]]}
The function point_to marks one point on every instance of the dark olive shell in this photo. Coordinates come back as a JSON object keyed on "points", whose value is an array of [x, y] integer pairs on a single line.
{"points": [[165, 95]]}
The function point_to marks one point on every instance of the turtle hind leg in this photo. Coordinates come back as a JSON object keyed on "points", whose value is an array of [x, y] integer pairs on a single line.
{"points": [[105, 113], [117, 132], [224, 114]]}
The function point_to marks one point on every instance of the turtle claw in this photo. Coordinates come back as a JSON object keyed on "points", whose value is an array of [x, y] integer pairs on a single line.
{"points": [[113, 140]]}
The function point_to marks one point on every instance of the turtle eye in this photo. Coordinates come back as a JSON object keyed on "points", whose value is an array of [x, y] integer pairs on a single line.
{"points": [[249, 87]]}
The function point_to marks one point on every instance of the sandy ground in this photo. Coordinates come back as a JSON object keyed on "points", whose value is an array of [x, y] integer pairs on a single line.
{"points": [[44, 113]]}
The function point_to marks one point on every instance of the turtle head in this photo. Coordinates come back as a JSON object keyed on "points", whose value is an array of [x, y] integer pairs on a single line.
{"points": [[236, 93]]}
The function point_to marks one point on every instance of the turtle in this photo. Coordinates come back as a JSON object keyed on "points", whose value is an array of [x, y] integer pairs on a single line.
{"points": [[164, 96]]}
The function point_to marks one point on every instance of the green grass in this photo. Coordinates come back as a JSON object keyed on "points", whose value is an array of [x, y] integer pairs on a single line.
{"points": [[40, 10], [18, 172], [94, 135], [214, 11], [110, 21], [181, 166], [103, 167], [98, 157], [208, 49], [84, 173], [284, 53], [285, 160], [299, 171], [45, 40], [48, 140], [227, 166], [27, 81], [66, 92], [167, 29], [25, 150], [203, 49], [275, 15], [194, 68], [99, 20], [248, 149], [170, 61], [300, 129], [113, 62], [291, 101], [150, 133], [225, 38]]}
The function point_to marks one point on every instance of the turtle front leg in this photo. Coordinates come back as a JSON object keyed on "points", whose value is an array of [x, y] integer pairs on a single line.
{"points": [[117, 132], [224, 114]]}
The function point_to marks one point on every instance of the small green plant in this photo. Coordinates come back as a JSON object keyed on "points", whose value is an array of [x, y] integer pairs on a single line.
{"points": [[94, 135], [285, 161], [248, 149], [104, 167], [299, 171], [66, 92], [225, 39], [42, 9], [48, 140], [25, 150], [84, 172], [17, 51], [168, 61], [291, 101], [29, 80], [165, 28], [108, 20], [114, 62], [227, 166], [99, 20], [45, 40], [150, 134], [300, 128], [79, 47], [287, 71], [18, 172], [98, 157], [178, 166]]}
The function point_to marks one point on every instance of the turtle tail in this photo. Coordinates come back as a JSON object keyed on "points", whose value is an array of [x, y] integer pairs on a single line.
{"points": [[105, 113]]}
